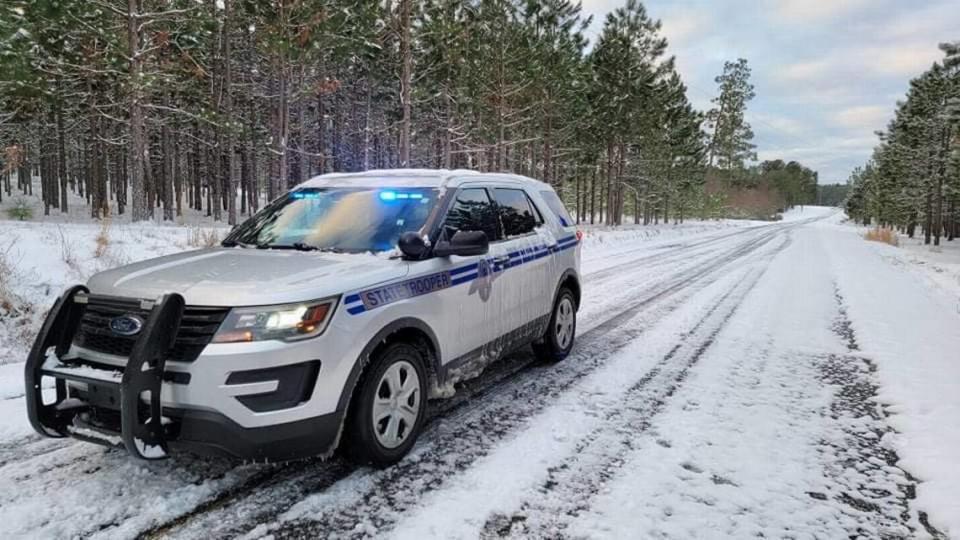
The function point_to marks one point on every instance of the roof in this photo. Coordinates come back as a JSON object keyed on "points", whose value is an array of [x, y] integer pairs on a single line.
{"points": [[409, 178]]}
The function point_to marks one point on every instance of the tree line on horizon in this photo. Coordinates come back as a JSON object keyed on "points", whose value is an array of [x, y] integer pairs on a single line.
{"points": [[913, 178], [144, 106]]}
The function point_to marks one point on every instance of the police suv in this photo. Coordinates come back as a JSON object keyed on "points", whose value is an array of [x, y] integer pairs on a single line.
{"points": [[327, 319]]}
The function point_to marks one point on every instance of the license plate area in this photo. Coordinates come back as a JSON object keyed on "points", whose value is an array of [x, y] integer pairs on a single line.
{"points": [[102, 395]]}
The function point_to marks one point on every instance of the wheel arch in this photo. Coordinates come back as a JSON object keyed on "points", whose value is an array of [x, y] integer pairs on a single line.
{"points": [[408, 329], [571, 280]]}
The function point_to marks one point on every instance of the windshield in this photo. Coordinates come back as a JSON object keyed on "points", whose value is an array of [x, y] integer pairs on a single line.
{"points": [[349, 220]]}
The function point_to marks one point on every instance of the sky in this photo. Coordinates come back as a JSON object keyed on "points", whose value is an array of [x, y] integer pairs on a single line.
{"points": [[827, 73]]}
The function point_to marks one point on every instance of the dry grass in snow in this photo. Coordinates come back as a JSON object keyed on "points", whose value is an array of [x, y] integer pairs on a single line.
{"points": [[883, 234], [203, 238]]}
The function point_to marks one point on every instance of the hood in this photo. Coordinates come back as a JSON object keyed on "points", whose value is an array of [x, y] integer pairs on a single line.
{"points": [[247, 277]]}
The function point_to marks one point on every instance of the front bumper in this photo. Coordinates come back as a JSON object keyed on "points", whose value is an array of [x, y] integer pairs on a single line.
{"points": [[134, 405], [213, 434]]}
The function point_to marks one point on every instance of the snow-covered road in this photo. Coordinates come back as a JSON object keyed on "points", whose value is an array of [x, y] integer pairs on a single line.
{"points": [[778, 380]]}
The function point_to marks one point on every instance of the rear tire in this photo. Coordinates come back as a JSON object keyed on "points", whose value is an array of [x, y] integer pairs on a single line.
{"points": [[388, 407], [557, 342]]}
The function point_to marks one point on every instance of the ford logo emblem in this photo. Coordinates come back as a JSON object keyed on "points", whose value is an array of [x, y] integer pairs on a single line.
{"points": [[126, 325]]}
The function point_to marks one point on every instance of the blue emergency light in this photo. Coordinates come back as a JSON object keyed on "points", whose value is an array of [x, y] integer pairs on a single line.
{"points": [[394, 195]]}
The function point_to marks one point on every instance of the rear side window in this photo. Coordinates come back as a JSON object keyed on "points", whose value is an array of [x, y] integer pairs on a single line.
{"points": [[517, 213], [472, 211], [556, 206]]}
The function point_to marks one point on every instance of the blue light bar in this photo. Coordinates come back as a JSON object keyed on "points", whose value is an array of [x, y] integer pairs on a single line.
{"points": [[305, 195], [399, 195]]}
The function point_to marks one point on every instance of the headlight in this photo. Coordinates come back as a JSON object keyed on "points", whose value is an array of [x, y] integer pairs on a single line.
{"points": [[289, 322]]}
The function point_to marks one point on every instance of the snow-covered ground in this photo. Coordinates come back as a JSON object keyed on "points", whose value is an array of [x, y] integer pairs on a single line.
{"points": [[38, 261], [730, 379], [936, 266]]}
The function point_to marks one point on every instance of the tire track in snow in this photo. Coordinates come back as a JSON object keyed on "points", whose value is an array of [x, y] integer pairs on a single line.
{"points": [[271, 494], [674, 252], [571, 485], [32, 445], [375, 500], [237, 512], [278, 487], [681, 251], [276, 495]]}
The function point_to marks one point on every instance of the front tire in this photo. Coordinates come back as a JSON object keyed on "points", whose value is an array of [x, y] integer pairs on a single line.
{"points": [[388, 407], [557, 342]]}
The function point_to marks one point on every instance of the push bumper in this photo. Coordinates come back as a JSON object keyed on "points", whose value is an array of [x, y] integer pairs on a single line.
{"points": [[122, 406]]}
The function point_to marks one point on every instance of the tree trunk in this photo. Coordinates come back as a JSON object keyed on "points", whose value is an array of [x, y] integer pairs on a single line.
{"points": [[61, 154], [228, 114], [406, 80], [140, 209]]}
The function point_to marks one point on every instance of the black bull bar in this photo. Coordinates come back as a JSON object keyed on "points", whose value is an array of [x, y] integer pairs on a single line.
{"points": [[141, 423]]}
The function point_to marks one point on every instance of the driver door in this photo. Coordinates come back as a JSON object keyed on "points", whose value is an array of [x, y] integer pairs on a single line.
{"points": [[467, 311]]}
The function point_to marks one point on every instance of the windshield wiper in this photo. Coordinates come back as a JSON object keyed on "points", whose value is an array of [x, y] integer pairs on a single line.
{"points": [[300, 246], [234, 243], [303, 246]]}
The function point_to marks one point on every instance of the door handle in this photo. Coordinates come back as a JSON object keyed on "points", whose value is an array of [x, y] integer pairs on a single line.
{"points": [[503, 259]]}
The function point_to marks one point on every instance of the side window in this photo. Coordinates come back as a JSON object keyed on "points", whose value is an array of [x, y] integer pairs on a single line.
{"points": [[556, 206], [472, 211], [517, 213]]}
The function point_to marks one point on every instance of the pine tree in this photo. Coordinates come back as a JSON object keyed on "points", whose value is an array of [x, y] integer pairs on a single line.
{"points": [[913, 178], [730, 144], [218, 105]]}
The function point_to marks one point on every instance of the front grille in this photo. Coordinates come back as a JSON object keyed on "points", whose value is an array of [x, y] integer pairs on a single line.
{"points": [[196, 327]]}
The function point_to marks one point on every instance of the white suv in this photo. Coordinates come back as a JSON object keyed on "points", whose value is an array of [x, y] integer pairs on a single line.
{"points": [[339, 309]]}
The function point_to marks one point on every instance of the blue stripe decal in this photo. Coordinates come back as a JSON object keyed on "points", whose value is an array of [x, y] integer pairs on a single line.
{"points": [[463, 279], [463, 269], [369, 299]]}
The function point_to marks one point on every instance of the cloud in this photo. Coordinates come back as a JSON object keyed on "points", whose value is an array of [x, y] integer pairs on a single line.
{"points": [[900, 60], [833, 158], [935, 21], [776, 124], [851, 73], [827, 73], [803, 71], [682, 25], [806, 11], [872, 117]]}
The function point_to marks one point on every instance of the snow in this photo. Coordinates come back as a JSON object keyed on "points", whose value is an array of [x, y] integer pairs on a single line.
{"points": [[731, 379], [798, 213], [728, 454], [104, 375], [460, 510], [46, 258], [911, 330], [937, 266], [736, 450]]}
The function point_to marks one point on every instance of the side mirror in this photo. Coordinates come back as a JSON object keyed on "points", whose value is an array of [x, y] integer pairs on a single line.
{"points": [[412, 245], [463, 243]]}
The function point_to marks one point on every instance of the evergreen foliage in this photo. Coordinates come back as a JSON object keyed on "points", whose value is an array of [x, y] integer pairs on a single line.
{"points": [[913, 178], [152, 106]]}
